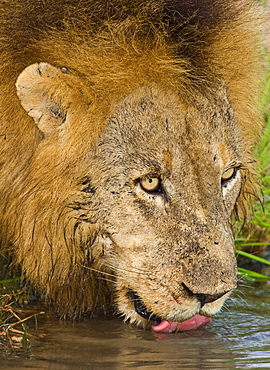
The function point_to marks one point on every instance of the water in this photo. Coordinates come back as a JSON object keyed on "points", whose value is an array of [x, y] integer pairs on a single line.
{"points": [[238, 338]]}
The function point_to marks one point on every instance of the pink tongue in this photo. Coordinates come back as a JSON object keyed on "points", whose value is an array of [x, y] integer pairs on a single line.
{"points": [[193, 323]]}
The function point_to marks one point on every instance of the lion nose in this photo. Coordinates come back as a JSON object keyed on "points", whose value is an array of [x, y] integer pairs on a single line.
{"points": [[204, 298], [208, 298]]}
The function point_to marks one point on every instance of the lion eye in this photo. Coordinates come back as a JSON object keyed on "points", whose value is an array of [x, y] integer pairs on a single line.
{"points": [[150, 184], [228, 174]]}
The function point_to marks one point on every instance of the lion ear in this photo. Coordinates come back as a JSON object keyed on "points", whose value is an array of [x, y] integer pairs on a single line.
{"points": [[44, 91]]}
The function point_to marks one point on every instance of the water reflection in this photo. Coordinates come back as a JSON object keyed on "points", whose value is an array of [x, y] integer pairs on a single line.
{"points": [[238, 338]]}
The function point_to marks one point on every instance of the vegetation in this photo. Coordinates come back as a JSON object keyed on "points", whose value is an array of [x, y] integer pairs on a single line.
{"points": [[256, 238], [14, 310], [13, 329]]}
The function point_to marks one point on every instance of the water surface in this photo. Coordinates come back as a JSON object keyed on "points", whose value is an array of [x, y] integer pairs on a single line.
{"points": [[237, 338]]}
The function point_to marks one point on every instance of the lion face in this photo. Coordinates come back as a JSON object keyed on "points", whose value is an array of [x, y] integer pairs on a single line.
{"points": [[169, 191]]}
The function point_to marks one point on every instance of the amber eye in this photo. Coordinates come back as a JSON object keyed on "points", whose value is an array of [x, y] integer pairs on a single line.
{"points": [[150, 184], [228, 174]]}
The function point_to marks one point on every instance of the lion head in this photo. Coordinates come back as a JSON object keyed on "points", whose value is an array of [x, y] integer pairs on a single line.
{"points": [[137, 162]]}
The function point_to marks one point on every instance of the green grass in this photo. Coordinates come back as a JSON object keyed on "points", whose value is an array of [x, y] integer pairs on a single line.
{"points": [[256, 239]]}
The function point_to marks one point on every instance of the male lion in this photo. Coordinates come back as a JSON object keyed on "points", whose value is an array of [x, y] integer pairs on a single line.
{"points": [[126, 136]]}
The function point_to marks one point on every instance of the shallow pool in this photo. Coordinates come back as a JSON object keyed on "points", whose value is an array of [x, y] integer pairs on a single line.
{"points": [[237, 338]]}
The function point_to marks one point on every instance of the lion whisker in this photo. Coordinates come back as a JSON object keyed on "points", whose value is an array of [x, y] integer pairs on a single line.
{"points": [[116, 268], [98, 271]]}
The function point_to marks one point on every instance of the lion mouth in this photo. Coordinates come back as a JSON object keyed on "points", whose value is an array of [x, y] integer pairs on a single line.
{"points": [[142, 310], [160, 325]]}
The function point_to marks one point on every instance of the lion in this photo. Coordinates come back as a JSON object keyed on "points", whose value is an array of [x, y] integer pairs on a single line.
{"points": [[127, 131]]}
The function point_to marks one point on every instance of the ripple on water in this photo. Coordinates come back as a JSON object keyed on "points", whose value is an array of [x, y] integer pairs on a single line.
{"points": [[237, 338]]}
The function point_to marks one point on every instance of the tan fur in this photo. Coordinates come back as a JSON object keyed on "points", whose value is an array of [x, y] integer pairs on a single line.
{"points": [[106, 96]]}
